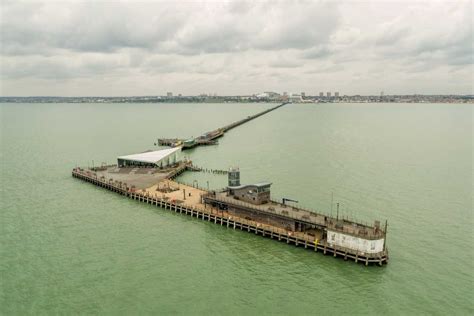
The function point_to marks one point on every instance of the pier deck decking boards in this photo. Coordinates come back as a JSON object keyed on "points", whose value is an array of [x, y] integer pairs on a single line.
{"points": [[233, 222]]}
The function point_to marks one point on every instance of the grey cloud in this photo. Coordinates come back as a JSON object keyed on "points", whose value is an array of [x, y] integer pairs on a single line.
{"points": [[91, 65], [426, 40], [166, 27], [392, 36], [88, 27], [320, 51], [279, 43]]}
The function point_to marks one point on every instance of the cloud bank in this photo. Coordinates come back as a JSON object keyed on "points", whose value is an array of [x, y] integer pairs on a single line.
{"points": [[75, 48]]}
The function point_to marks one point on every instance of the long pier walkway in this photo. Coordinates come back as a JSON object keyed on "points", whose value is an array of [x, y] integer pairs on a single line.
{"points": [[210, 138]]}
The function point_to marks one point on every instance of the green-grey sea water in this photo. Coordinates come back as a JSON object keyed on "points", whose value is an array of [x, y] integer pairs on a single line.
{"points": [[68, 247]]}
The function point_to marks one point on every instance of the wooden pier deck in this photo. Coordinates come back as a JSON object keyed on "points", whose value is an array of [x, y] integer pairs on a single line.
{"points": [[174, 201]]}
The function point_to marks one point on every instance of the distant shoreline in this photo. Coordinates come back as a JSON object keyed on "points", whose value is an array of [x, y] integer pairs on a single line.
{"points": [[248, 99]]}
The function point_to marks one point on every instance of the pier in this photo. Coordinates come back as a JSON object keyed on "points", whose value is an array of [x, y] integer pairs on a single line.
{"points": [[216, 208], [210, 138], [149, 177]]}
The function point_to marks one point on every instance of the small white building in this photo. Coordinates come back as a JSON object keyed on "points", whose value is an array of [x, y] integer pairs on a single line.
{"points": [[159, 158], [355, 243]]}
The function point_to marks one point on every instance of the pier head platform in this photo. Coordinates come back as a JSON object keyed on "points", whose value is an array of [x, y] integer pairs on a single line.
{"points": [[249, 208]]}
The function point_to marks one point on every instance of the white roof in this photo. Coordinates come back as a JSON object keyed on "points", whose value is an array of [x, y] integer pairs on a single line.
{"points": [[151, 156]]}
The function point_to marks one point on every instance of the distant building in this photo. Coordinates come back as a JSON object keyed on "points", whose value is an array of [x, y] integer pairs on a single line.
{"points": [[295, 98], [272, 95], [285, 93], [169, 94], [268, 95], [321, 94], [336, 94], [303, 94], [328, 94]]}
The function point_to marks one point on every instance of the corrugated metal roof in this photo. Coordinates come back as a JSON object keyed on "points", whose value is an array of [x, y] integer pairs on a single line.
{"points": [[151, 156]]}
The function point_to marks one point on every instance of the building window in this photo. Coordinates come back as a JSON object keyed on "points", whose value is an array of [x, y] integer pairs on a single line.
{"points": [[333, 237], [372, 245]]}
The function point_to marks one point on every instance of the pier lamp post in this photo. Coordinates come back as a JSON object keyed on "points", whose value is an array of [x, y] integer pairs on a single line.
{"points": [[207, 185]]}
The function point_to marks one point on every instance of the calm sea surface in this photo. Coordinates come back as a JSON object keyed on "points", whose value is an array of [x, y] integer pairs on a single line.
{"points": [[68, 247]]}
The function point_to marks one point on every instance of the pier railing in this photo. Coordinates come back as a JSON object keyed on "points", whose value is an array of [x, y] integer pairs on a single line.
{"points": [[306, 217]]}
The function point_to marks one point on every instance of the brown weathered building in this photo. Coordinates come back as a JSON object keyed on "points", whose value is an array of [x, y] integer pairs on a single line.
{"points": [[258, 193]]}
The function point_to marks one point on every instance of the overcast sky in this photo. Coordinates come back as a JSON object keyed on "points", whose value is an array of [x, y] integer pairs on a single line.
{"points": [[80, 48]]}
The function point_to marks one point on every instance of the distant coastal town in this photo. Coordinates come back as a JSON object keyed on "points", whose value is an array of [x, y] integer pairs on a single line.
{"points": [[301, 97]]}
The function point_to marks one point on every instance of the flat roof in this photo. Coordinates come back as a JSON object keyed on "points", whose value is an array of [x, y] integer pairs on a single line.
{"points": [[259, 185], [151, 156]]}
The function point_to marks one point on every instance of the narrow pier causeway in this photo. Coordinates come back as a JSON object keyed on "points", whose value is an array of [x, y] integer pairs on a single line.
{"points": [[210, 138]]}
